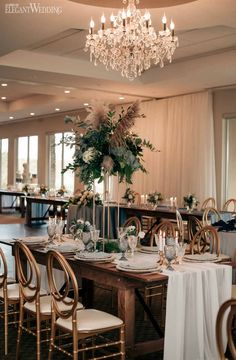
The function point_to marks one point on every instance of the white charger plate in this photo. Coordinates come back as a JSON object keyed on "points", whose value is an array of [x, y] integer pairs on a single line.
{"points": [[94, 256], [137, 265], [148, 249], [201, 257], [63, 248], [150, 270], [33, 240]]}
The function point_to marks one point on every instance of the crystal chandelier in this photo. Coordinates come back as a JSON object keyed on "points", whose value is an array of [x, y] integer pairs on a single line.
{"points": [[131, 44]]}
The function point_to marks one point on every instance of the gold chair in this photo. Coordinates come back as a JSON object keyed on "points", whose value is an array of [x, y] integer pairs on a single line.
{"points": [[133, 220], [9, 299], [86, 325], [230, 205], [166, 226], [229, 308], [208, 212], [147, 222], [209, 202], [205, 240], [33, 301], [193, 226]]}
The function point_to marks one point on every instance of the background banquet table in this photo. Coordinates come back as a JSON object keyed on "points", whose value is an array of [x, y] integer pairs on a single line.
{"points": [[228, 247]]}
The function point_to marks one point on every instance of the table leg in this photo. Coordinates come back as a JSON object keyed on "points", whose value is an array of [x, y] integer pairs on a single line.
{"points": [[28, 212], [126, 311]]}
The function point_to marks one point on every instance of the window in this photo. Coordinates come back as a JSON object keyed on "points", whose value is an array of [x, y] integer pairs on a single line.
{"points": [[229, 169], [4, 144], [59, 157], [27, 157]]}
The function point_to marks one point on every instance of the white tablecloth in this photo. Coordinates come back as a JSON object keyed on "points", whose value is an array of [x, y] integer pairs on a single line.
{"points": [[195, 293], [228, 243]]}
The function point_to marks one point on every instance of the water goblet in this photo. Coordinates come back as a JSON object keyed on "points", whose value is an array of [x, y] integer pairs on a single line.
{"points": [[123, 244], [94, 237], [132, 241], [170, 254]]}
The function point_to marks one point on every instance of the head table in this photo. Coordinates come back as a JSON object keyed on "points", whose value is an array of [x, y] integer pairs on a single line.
{"points": [[194, 294]]}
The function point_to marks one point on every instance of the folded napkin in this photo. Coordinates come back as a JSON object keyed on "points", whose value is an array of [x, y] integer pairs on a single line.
{"points": [[223, 226]]}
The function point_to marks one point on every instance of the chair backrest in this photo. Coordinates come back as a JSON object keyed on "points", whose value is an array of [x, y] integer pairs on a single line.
{"points": [[3, 269], [193, 226], [230, 205], [180, 225], [231, 306], [147, 222], [63, 305], [166, 226], [133, 220], [28, 276], [205, 240], [209, 202], [208, 213]]}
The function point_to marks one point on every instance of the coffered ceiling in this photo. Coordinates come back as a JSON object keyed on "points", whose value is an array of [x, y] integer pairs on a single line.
{"points": [[42, 55]]}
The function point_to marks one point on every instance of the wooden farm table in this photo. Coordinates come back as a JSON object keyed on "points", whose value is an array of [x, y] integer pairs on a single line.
{"points": [[126, 285], [15, 199], [43, 213], [159, 212]]}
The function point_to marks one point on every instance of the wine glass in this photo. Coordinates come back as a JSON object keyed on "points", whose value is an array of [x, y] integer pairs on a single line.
{"points": [[180, 252], [94, 237], [51, 228], [59, 229], [132, 241], [123, 244], [170, 254]]}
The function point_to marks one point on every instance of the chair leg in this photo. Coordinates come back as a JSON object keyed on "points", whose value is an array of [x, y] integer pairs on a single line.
{"points": [[75, 345], [21, 315], [5, 327], [38, 327], [52, 339], [122, 345]]}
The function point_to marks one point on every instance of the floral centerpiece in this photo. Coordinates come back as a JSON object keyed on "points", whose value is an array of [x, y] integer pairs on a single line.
{"points": [[85, 198], [190, 201], [80, 230], [26, 189], [61, 191], [154, 198], [130, 195], [43, 190], [131, 230], [107, 146]]}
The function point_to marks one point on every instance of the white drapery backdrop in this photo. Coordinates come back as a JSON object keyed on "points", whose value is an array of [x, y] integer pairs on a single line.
{"points": [[182, 129]]}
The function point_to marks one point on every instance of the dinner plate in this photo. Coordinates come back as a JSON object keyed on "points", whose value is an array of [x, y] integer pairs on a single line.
{"points": [[137, 265], [149, 249], [201, 257], [33, 240], [150, 270], [95, 256], [63, 248]]}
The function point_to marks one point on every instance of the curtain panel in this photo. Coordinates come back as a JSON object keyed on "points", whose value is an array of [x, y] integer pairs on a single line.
{"points": [[182, 129]]}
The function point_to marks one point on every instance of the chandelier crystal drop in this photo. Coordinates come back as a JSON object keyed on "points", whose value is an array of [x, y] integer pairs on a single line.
{"points": [[131, 45]]}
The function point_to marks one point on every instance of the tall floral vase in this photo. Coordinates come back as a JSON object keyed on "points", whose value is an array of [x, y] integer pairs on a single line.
{"points": [[106, 205]]}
